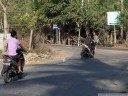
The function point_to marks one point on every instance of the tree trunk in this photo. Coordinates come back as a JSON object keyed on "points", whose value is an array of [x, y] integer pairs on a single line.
{"points": [[110, 38], [121, 33], [5, 29], [127, 36], [87, 28], [57, 36], [79, 34], [5, 24], [96, 38], [1, 25], [68, 37], [114, 35]]}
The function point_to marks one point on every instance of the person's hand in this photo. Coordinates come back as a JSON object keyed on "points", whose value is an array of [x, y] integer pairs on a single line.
{"points": [[26, 52]]}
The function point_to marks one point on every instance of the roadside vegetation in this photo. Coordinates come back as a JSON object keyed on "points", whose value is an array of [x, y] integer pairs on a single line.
{"points": [[34, 19]]}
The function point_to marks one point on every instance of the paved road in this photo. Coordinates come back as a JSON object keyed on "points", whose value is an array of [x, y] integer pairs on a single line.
{"points": [[106, 73]]}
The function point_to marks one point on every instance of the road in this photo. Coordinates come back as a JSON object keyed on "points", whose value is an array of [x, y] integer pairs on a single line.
{"points": [[105, 73]]}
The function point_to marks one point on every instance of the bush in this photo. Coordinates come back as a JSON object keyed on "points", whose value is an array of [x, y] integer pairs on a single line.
{"points": [[42, 49]]}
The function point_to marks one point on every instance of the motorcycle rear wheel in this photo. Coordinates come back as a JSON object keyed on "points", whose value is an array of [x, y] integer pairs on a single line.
{"points": [[7, 77]]}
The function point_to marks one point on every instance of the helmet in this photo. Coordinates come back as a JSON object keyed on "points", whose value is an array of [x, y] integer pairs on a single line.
{"points": [[93, 43]]}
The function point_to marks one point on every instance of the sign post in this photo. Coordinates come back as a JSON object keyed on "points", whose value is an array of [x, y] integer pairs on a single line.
{"points": [[55, 27], [113, 18]]}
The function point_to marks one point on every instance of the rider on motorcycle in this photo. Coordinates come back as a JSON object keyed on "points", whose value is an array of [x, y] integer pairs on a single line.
{"points": [[12, 44], [89, 42]]}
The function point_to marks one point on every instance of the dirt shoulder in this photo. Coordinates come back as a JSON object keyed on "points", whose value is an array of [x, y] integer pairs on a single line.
{"points": [[55, 56]]}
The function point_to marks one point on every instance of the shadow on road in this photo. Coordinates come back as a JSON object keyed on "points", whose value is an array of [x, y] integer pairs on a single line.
{"points": [[75, 77]]}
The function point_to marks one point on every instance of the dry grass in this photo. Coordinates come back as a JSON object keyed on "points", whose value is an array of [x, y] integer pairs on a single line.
{"points": [[42, 49], [39, 48], [58, 55]]}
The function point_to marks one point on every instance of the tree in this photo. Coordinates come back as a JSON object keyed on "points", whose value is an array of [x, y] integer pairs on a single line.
{"points": [[4, 9]]}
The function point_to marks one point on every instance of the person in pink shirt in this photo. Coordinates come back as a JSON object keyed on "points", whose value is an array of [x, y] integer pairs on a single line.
{"points": [[12, 44]]}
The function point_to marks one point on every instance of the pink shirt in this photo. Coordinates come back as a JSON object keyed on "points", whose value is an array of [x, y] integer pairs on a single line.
{"points": [[13, 44]]}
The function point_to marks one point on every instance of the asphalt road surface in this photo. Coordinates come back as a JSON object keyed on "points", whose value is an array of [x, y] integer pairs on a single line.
{"points": [[107, 72]]}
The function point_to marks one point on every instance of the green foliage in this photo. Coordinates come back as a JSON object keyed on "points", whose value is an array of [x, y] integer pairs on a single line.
{"points": [[27, 14], [23, 16]]}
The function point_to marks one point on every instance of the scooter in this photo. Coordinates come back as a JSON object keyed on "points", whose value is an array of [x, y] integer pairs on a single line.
{"points": [[10, 66], [88, 51]]}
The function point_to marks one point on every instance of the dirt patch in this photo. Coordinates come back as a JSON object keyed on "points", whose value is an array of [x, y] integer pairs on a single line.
{"points": [[112, 52], [55, 56], [58, 55]]}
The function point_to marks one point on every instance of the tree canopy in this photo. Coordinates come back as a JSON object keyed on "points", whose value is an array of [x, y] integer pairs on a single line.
{"points": [[90, 15]]}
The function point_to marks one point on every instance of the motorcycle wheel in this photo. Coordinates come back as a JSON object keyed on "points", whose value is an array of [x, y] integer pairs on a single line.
{"points": [[20, 75], [7, 77], [22, 65]]}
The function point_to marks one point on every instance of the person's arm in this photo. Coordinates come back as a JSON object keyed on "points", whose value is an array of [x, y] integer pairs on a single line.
{"points": [[22, 47], [87, 47]]}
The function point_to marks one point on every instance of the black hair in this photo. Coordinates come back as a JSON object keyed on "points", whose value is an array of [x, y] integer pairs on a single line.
{"points": [[13, 33]]}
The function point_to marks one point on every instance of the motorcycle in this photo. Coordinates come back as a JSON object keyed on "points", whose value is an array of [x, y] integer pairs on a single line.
{"points": [[10, 66], [88, 51]]}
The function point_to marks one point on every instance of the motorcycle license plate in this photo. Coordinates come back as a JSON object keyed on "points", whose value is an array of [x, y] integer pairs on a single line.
{"points": [[6, 63]]}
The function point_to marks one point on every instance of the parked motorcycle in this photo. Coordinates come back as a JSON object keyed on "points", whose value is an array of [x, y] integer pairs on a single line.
{"points": [[10, 66], [88, 51]]}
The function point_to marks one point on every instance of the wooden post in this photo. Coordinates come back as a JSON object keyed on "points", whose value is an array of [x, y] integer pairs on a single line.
{"points": [[30, 40]]}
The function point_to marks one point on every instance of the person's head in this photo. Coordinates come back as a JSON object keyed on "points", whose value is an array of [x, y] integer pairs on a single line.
{"points": [[13, 33]]}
